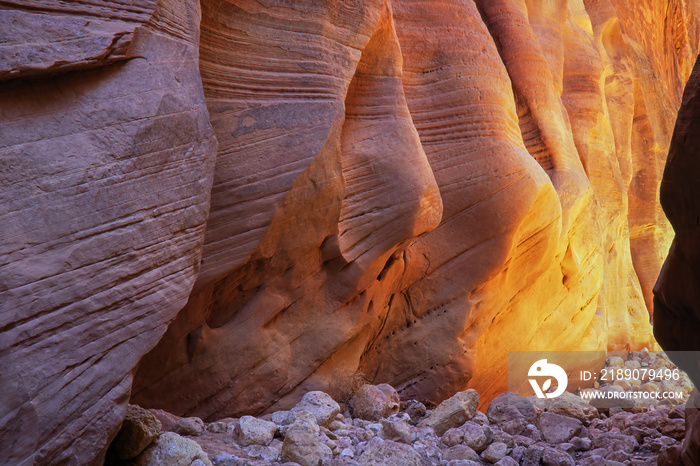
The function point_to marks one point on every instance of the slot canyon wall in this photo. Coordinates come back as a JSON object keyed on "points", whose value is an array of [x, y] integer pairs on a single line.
{"points": [[307, 193], [676, 300]]}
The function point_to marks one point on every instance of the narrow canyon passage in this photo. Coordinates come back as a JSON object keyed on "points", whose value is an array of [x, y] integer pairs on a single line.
{"points": [[214, 208]]}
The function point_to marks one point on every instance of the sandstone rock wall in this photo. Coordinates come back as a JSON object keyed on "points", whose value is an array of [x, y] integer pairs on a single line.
{"points": [[402, 191], [677, 320], [407, 190], [676, 299], [105, 175]]}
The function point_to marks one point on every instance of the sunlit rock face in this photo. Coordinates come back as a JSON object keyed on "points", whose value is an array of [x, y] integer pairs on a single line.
{"points": [[105, 175], [407, 190], [402, 191]]}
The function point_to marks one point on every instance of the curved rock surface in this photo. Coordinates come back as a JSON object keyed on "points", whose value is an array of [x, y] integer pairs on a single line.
{"points": [[403, 187], [402, 191], [105, 177], [676, 299]]}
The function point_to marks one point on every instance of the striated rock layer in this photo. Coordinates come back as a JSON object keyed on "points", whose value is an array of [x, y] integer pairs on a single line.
{"points": [[402, 191], [406, 190], [105, 175]]}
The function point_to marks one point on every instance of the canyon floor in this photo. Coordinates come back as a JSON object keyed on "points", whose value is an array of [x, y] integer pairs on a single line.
{"points": [[375, 427]]}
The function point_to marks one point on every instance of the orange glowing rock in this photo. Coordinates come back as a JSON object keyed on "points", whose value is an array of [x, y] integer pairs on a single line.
{"points": [[403, 191]]}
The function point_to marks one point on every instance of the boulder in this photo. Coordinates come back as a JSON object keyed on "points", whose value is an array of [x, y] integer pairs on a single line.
{"points": [[388, 453], [173, 450], [509, 406], [556, 457], [557, 428], [303, 445], [613, 441], [453, 412], [568, 404], [473, 436], [253, 431], [495, 452], [321, 405], [460, 452], [139, 429], [372, 402], [188, 426]]}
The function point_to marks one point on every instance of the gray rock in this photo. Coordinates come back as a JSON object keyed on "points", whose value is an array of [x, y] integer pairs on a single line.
{"points": [[495, 452], [521, 440], [518, 452], [499, 436], [532, 432], [336, 425], [581, 444], [674, 428], [139, 429], [224, 459], [337, 461], [374, 427], [173, 450], [566, 448], [416, 410], [460, 452], [480, 418], [306, 417], [660, 443], [650, 419], [641, 433], [514, 426], [390, 453], [619, 456], [474, 436], [453, 412], [217, 427], [592, 460], [452, 437], [399, 431], [425, 435], [303, 445], [615, 441], [568, 404], [372, 402], [321, 405], [265, 453], [508, 406], [532, 456], [555, 457], [281, 418], [464, 463], [253, 431], [557, 428], [188, 426], [507, 461]]}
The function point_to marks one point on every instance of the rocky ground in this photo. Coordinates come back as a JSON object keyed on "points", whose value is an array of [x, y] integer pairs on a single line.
{"points": [[375, 428]]}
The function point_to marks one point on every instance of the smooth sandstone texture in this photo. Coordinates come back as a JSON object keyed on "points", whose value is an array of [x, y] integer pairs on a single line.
{"points": [[407, 190], [402, 192], [105, 177]]}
